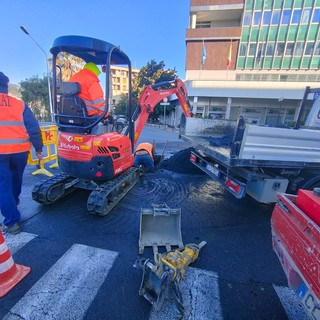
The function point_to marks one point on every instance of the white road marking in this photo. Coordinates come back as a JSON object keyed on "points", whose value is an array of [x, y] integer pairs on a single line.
{"points": [[67, 289], [290, 303], [201, 298], [16, 242]]}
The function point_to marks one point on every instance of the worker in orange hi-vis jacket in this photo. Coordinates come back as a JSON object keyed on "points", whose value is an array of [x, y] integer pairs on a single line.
{"points": [[90, 89], [144, 155]]}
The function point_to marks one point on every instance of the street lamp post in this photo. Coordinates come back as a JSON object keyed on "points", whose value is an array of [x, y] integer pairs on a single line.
{"points": [[49, 88]]}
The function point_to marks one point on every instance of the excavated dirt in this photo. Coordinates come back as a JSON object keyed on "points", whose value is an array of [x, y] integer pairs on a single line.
{"points": [[180, 163]]}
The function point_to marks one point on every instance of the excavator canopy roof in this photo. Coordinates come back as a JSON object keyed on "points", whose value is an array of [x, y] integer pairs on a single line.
{"points": [[90, 50]]}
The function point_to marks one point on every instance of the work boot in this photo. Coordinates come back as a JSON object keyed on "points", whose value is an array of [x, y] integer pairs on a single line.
{"points": [[15, 229]]}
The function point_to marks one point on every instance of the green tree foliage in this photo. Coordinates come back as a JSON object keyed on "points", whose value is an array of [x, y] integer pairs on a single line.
{"points": [[152, 73], [34, 91], [68, 64], [122, 105]]}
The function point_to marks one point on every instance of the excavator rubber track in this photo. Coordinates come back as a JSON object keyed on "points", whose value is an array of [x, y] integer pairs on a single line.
{"points": [[53, 189], [104, 198]]}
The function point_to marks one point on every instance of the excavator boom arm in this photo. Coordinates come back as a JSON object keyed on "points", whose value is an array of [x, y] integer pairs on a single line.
{"points": [[152, 95]]}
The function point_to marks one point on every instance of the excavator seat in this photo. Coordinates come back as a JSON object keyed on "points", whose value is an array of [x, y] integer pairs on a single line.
{"points": [[70, 105]]}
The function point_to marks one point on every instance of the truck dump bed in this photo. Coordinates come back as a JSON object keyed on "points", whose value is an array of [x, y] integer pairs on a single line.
{"points": [[296, 241], [260, 146]]}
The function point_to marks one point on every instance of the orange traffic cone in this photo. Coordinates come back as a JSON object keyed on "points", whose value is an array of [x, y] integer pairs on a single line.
{"points": [[10, 273]]}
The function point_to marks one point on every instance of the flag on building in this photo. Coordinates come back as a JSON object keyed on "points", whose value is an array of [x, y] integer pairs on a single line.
{"points": [[204, 53], [229, 55]]}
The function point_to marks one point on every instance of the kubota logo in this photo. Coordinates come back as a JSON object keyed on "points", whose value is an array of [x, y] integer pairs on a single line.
{"points": [[69, 146], [162, 93], [69, 138]]}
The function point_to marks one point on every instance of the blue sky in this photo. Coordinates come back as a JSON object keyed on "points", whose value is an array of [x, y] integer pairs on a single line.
{"points": [[144, 29]]}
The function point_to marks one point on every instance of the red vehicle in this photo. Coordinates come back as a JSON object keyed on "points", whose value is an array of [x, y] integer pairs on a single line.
{"points": [[102, 162], [295, 226]]}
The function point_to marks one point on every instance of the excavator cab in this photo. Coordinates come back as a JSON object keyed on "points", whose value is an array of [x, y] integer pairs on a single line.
{"points": [[69, 110]]}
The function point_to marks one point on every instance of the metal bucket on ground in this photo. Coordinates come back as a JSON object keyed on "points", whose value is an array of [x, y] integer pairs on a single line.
{"points": [[160, 226]]}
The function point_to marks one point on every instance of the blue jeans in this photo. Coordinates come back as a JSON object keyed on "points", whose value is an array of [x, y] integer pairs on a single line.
{"points": [[11, 172], [143, 160]]}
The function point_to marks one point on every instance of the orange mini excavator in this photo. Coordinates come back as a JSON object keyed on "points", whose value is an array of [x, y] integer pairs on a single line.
{"points": [[101, 162]]}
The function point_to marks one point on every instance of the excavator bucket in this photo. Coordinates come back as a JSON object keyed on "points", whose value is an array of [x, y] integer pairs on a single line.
{"points": [[160, 226]]}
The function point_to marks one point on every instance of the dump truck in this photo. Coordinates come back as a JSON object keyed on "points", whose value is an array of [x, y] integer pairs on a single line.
{"points": [[295, 226], [259, 161]]}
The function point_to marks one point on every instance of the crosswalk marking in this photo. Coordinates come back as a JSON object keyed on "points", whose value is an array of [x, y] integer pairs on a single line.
{"points": [[68, 288], [201, 298], [290, 303], [16, 242]]}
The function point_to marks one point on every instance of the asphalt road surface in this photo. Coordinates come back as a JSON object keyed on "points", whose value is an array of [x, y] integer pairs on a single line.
{"points": [[82, 265]]}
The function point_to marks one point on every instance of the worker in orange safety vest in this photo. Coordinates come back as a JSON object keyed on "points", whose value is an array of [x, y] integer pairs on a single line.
{"points": [[144, 155], [19, 129], [90, 89]]}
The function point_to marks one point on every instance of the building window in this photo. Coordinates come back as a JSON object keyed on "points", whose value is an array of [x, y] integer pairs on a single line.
{"points": [[249, 4], [280, 49], [313, 31], [302, 34], [283, 33], [203, 24], [247, 19], [266, 17], [254, 34], [298, 49], [289, 49], [258, 4], [316, 16], [276, 17], [243, 50], [317, 51], [252, 49], [298, 3], [278, 4], [268, 4], [245, 34], [257, 18], [306, 13], [309, 49], [286, 17], [273, 33], [296, 16], [270, 49], [288, 3]]}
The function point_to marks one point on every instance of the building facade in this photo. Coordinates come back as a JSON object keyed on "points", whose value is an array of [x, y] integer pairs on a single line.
{"points": [[252, 57], [120, 82]]}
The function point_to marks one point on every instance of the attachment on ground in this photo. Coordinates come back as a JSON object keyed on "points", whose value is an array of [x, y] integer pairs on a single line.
{"points": [[160, 226]]}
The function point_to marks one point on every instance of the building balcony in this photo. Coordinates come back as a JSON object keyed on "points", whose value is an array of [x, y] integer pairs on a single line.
{"points": [[213, 34]]}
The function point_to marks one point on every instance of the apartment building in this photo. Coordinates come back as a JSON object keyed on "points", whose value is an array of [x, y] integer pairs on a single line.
{"points": [[120, 82], [252, 57]]}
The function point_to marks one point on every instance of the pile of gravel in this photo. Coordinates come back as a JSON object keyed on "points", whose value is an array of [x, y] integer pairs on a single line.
{"points": [[180, 163]]}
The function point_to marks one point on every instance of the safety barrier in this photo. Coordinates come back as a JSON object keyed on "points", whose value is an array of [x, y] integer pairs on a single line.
{"points": [[50, 140]]}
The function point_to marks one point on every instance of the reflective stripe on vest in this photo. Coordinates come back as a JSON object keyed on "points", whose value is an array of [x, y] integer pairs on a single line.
{"points": [[13, 134]]}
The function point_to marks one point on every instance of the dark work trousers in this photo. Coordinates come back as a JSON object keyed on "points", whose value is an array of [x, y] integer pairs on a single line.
{"points": [[143, 160], [11, 172]]}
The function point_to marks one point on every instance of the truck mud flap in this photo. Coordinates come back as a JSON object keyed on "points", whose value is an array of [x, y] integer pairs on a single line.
{"points": [[234, 186], [160, 226]]}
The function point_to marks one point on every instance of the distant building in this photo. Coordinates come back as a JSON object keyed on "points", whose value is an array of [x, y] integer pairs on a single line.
{"points": [[252, 57], [120, 82]]}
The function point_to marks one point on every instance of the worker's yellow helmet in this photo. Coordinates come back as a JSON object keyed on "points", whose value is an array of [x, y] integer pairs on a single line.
{"points": [[92, 67]]}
